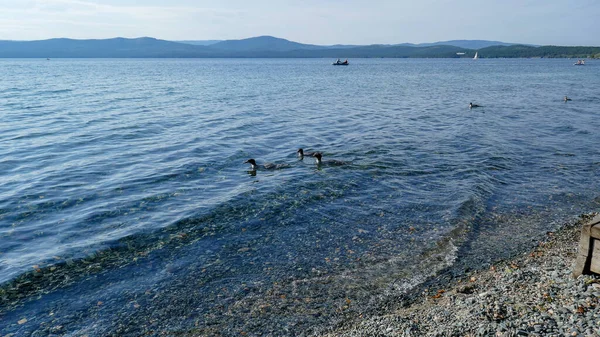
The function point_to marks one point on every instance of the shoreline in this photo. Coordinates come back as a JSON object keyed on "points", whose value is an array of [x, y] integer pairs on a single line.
{"points": [[532, 294]]}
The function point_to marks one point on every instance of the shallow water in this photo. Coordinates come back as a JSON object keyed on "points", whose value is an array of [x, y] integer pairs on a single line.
{"points": [[125, 207]]}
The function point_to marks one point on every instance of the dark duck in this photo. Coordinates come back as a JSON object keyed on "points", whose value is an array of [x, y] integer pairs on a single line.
{"points": [[266, 166], [301, 153], [319, 161]]}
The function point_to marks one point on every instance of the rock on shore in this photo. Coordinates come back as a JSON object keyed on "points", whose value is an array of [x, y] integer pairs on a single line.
{"points": [[531, 295]]}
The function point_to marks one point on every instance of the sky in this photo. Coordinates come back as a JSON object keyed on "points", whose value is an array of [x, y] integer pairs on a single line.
{"points": [[324, 22]]}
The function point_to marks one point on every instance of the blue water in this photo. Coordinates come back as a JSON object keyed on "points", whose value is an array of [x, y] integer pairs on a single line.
{"points": [[127, 177]]}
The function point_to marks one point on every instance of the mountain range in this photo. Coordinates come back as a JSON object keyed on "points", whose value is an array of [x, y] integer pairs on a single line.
{"points": [[469, 44], [272, 47]]}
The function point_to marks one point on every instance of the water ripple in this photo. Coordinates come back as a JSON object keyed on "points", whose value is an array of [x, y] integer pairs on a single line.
{"points": [[122, 158]]}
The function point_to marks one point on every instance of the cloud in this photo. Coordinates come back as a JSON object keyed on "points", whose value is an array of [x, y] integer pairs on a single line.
{"points": [[142, 12], [81, 10], [90, 19]]}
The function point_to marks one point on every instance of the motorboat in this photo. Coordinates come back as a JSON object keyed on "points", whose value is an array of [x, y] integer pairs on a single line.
{"points": [[340, 63], [579, 63]]}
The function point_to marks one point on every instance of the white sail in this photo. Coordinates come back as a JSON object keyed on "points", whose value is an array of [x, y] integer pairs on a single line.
{"points": [[475, 57]]}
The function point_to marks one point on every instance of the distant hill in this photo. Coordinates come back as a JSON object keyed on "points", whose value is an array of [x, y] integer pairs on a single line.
{"points": [[544, 51], [281, 45], [378, 51], [199, 42], [117, 47], [467, 44], [263, 43], [272, 47]]}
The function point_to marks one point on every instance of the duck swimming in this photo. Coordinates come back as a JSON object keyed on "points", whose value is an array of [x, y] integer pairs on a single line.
{"points": [[266, 166], [301, 153], [567, 99], [471, 106], [318, 160]]}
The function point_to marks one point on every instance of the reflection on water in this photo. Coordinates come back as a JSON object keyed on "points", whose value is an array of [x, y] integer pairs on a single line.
{"points": [[125, 209]]}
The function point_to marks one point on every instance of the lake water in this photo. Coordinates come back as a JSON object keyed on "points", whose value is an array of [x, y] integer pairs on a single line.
{"points": [[126, 209]]}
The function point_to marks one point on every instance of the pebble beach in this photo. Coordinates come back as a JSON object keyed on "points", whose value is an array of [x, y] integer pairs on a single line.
{"points": [[533, 294]]}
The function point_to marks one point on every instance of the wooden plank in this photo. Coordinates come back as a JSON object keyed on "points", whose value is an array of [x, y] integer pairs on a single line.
{"points": [[586, 248], [595, 264], [595, 221], [595, 231]]}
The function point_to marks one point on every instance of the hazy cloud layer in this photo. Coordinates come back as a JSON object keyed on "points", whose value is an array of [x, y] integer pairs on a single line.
{"points": [[321, 22]]}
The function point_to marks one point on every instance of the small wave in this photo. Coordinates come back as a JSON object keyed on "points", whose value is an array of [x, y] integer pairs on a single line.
{"points": [[13, 90], [562, 154], [42, 93], [31, 135]]}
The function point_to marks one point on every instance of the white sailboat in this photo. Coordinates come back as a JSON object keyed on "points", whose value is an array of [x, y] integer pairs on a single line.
{"points": [[475, 57]]}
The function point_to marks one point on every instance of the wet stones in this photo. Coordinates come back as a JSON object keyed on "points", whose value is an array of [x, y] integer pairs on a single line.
{"points": [[531, 295]]}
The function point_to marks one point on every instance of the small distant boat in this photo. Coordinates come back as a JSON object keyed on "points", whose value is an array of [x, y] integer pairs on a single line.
{"points": [[475, 57], [340, 63], [579, 63]]}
